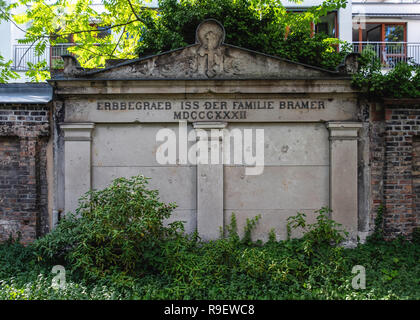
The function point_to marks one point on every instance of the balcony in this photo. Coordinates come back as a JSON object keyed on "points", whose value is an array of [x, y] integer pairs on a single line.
{"points": [[390, 53], [22, 54]]}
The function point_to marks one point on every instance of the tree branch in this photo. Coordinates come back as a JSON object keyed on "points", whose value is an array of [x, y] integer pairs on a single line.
{"points": [[118, 42], [134, 12], [96, 30], [96, 53], [26, 52]]}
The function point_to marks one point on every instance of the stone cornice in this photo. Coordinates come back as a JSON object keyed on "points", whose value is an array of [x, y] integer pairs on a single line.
{"points": [[142, 87]]}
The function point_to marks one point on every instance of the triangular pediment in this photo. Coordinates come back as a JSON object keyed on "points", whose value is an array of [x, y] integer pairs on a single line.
{"points": [[208, 58]]}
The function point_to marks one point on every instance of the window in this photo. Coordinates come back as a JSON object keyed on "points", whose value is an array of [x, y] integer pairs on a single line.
{"points": [[394, 33], [379, 32], [59, 49], [388, 40], [103, 32], [328, 25]]}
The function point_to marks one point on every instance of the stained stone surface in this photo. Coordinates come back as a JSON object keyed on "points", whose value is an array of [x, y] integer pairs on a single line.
{"points": [[309, 116], [168, 109]]}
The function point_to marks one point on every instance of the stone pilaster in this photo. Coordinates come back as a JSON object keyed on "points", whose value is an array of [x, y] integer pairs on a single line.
{"points": [[343, 175], [77, 162], [210, 181]]}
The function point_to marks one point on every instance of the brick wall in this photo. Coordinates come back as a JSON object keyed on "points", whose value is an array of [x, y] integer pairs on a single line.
{"points": [[377, 160], [24, 132], [394, 140], [395, 164]]}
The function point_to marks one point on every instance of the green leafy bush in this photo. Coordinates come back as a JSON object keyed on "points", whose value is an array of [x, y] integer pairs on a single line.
{"points": [[324, 231], [117, 229], [317, 50], [6, 72], [416, 236], [15, 258], [232, 267], [403, 81], [378, 232], [249, 24]]}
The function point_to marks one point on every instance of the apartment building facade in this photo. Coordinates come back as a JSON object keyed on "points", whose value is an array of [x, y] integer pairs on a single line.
{"points": [[390, 28]]}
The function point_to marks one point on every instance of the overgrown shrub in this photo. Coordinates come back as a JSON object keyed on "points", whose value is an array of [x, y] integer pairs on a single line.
{"points": [[378, 232], [324, 231], [297, 263], [403, 81], [15, 258], [117, 229], [311, 267], [260, 27]]}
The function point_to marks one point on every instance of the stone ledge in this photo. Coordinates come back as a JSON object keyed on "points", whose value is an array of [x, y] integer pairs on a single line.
{"points": [[403, 103]]}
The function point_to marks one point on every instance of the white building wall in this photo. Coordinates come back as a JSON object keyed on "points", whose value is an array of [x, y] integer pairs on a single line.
{"points": [[9, 35], [413, 31], [386, 8], [5, 40], [390, 11], [345, 23]]}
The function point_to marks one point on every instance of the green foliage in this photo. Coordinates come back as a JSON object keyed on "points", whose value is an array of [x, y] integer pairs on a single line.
{"points": [[38, 72], [392, 269], [272, 236], [378, 233], [49, 23], [57, 64], [249, 227], [311, 267], [403, 81], [232, 229], [256, 25], [14, 258], [324, 231], [416, 235], [117, 229], [319, 50], [6, 73], [129, 28]]}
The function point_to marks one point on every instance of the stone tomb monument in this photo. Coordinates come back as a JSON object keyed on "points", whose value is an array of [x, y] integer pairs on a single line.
{"points": [[109, 123]]}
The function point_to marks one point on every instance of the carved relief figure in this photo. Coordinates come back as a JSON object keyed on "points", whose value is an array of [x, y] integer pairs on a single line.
{"points": [[210, 36]]}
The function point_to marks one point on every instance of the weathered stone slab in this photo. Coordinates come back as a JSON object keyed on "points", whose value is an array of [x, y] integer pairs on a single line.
{"points": [[287, 144], [193, 110], [343, 167], [210, 185], [285, 187], [175, 184], [77, 164], [188, 217], [131, 144]]}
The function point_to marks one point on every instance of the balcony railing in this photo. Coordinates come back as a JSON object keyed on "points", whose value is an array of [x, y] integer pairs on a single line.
{"points": [[22, 54], [390, 53]]}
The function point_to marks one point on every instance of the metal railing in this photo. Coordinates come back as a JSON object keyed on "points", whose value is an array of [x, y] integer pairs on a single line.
{"points": [[390, 53], [22, 54]]}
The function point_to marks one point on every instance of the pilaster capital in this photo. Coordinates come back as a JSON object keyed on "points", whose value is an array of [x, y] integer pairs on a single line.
{"points": [[77, 131], [343, 130]]}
